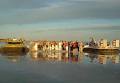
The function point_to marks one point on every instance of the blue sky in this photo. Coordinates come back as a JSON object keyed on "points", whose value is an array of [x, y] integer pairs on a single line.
{"points": [[59, 19]]}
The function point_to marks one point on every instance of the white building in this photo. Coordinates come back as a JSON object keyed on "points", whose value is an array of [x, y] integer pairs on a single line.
{"points": [[103, 43], [116, 43]]}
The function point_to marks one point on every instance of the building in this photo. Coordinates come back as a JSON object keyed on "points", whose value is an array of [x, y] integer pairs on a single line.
{"points": [[103, 43], [116, 43]]}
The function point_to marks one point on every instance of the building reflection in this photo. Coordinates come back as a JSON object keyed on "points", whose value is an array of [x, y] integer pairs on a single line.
{"points": [[103, 59]]}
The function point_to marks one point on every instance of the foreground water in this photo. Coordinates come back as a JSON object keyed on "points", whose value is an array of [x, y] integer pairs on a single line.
{"points": [[59, 68]]}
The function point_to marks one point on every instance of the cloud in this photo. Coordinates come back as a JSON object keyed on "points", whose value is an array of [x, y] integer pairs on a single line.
{"points": [[23, 4], [36, 11], [103, 27]]}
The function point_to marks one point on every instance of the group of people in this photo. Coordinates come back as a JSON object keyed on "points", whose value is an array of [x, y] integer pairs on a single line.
{"points": [[60, 45]]}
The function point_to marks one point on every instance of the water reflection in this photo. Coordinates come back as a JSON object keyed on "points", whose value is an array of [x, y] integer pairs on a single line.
{"points": [[103, 59], [75, 57], [14, 57], [57, 56], [71, 57], [48, 56]]}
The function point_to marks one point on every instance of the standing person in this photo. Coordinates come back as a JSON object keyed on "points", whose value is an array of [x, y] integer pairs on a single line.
{"points": [[81, 45]]}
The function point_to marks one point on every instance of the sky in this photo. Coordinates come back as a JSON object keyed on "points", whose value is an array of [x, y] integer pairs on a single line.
{"points": [[60, 19]]}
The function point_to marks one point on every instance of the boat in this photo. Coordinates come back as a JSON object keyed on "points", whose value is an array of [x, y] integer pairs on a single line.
{"points": [[14, 46], [103, 48], [99, 50]]}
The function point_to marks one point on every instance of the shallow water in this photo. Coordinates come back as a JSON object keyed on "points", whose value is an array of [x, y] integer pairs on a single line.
{"points": [[59, 68]]}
